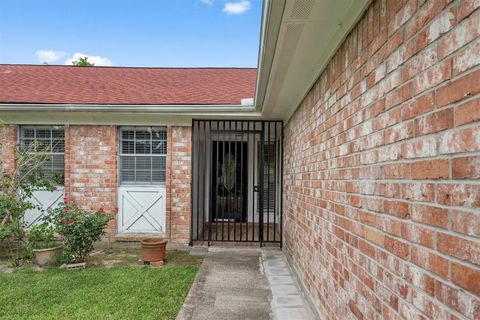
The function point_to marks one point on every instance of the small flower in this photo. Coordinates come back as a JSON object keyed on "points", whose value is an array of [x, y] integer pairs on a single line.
{"points": [[62, 220], [65, 210], [69, 222], [116, 209], [101, 210], [65, 200]]}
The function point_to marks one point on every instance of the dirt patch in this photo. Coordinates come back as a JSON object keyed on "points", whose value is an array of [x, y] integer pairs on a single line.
{"points": [[122, 256]]}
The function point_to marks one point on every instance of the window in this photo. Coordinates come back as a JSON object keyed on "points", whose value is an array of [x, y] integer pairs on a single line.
{"points": [[143, 155], [51, 140], [269, 172]]}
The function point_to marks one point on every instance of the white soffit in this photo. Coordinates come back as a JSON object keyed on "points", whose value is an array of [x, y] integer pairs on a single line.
{"points": [[309, 35]]}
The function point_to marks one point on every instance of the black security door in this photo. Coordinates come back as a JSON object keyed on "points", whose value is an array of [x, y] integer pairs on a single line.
{"points": [[229, 163], [236, 181]]}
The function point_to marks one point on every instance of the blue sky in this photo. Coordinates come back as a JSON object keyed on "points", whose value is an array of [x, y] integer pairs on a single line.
{"points": [[153, 33]]}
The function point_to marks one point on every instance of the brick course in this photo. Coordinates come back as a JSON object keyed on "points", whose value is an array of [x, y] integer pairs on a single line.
{"points": [[8, 140], [180, 154], [381, 168], [91, 168]]}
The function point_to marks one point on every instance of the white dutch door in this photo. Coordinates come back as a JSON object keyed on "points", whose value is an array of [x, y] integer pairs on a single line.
{"points": [[141, 209], [43, 201], [51, 141], [142, 174]]}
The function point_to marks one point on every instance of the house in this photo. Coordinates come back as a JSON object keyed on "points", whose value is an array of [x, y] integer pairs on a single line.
{"points": [[354, 145]]}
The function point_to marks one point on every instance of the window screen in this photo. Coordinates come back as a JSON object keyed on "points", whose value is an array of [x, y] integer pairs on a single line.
{"points": [[143, 155], [51, 140]]}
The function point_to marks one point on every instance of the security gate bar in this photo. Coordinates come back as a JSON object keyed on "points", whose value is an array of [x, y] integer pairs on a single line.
{"points": [[236, 181]]}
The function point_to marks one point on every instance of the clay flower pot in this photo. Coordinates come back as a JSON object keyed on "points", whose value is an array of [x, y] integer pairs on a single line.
{"points": [[153, 249], [48, 256]]}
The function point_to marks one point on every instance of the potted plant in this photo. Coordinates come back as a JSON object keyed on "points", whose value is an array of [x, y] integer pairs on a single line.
{"points": [[153, 249], [79, 228], [46, 250]]}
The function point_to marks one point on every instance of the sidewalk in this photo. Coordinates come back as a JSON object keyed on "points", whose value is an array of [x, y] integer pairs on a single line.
{"points": [[232, 284], [229, 285]]}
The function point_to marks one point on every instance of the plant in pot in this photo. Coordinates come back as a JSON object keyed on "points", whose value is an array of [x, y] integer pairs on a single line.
{"points": [[153, 249], [46, 250], [79, 228]]}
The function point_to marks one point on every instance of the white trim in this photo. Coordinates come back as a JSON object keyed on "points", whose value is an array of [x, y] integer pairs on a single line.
{"points": [[130, 108], [272, 14]]}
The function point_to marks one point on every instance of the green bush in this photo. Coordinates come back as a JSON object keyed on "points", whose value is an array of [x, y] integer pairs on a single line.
{"points": [[41, 236], [80, 229]]}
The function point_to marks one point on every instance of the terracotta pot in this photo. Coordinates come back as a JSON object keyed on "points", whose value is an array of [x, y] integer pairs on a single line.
{"points": [[48, 256], [153, 249]]}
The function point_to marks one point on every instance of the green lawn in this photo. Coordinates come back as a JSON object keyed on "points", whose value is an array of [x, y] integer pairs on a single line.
{"points": [[98, 293]]}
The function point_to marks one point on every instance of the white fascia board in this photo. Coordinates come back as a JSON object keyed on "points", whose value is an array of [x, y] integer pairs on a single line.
{"points": [[129, 108], [121, 114], [272, 14]]}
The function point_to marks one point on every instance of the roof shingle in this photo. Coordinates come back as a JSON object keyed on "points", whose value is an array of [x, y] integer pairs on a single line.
{"points": [[122, 85]]}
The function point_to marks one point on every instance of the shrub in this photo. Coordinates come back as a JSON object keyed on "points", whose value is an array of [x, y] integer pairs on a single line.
{"points": [[41, 236], [16, 188], [80, 229]]}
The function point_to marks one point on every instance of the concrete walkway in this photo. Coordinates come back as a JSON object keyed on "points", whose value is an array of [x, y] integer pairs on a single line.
{"points": [[232, 284]]}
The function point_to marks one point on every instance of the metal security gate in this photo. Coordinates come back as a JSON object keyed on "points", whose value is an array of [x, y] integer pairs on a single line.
{"points": [[236, 181]]}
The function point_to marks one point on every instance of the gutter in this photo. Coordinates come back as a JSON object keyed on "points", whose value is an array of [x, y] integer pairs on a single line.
{"points": [[272, 15], [260, 58], [129, 108]]}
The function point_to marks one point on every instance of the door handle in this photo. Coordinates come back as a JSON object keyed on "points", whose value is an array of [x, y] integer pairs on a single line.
{"points": [[256, 188]]}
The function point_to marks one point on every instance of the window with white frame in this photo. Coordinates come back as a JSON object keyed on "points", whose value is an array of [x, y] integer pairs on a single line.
{"points": [[142, 155], [51, 141]]}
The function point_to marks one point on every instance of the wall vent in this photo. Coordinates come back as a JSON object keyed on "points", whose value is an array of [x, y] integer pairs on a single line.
{"points": [[301, 9]]}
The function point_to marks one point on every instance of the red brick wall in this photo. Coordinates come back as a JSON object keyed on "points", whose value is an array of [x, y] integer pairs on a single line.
{"points": [[91, 173], [8, 140], [180, 154], [91, 168], [381, 168]]}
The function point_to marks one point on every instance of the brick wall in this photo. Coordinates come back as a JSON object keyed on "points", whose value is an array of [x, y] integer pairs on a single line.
{"points": [[180, 154], [8, 140], [90, 168], [91, 173], [381, 168]]}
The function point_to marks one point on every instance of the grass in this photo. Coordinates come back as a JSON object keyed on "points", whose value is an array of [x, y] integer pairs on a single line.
{"points": [[128, 292]]}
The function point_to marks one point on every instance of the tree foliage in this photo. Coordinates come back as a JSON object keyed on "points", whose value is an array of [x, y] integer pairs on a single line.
{"points": [[83, 62]]}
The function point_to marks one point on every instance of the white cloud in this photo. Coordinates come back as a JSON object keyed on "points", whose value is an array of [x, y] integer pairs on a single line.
{"points": [[49, 56], [96, 60], [209, 2], [237, 7]]}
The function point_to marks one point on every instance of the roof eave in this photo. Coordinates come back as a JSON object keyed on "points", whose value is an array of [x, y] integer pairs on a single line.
{"points": [[272, 13], [130, 108]]}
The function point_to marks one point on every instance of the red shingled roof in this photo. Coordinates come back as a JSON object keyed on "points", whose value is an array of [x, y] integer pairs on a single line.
{"points": [[118, 85]]}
